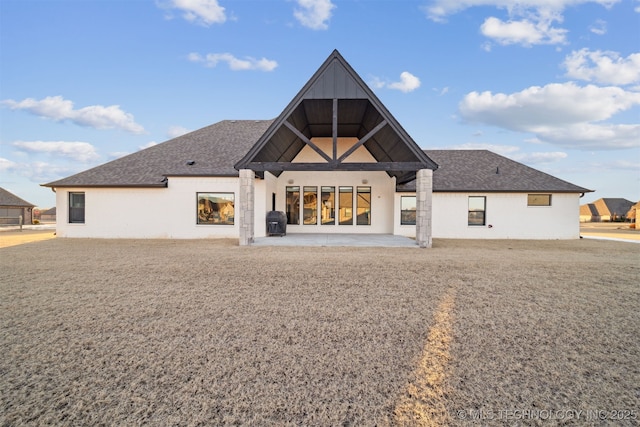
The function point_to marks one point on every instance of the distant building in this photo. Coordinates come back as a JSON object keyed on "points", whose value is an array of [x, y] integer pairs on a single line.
{"points": [[48, 215], [632, 214], [12, 208], [605, 210]]}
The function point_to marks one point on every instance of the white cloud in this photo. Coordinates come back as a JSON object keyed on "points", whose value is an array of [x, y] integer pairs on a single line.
{"points": [[59, 109], [202, 12], [148, 145], [513, 152], [408, 83], [235, 64], [589, 136], [80, 151], [6, 165], [438, 10], [529, 22], [620, 164], [539, 157], [376, 83], [314, 14], [176, 131], [603, 67], [45, 172], [524, 32], [599, 27], [561, 114], [504, 150]]}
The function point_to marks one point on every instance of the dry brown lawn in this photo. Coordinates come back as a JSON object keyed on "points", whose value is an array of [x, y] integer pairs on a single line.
{"points": [[166, 332]]}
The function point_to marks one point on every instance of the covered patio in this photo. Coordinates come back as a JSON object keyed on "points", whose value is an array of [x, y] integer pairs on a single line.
{"points": [[335, 105]]}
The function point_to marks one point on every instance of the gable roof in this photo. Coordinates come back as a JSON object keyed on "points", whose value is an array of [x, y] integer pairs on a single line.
{"points": [[213, 149], [9, 199], [633, 211], [336, 102], [588, 209], [485, 171], [613, 206]]}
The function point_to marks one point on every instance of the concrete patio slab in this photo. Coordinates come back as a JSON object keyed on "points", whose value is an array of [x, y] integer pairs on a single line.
{"points": [[361, 240]]}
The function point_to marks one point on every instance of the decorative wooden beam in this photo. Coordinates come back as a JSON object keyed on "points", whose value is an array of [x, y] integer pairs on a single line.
{"points": [[307, 141], [373, 166], [362, 140]]}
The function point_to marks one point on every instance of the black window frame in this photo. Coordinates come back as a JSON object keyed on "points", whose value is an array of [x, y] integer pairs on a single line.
{"points": [[77, 214], [474, 215], [406, 214], [206, 195]]}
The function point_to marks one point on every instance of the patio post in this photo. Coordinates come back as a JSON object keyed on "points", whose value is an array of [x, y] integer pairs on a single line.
{"points": [[424, 193], [246, 206]]}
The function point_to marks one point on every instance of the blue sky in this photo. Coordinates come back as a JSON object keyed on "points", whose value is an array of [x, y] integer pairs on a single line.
{"points": [[554, 84]]}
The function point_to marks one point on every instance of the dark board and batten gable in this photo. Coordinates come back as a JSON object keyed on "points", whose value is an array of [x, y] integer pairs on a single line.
{"points": [[337, 103]]}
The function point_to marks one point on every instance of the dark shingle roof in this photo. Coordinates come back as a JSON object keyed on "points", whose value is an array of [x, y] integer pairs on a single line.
{"points": [[10, 199], [588, 210], [613, 206], [485, 171], [214, 149]]}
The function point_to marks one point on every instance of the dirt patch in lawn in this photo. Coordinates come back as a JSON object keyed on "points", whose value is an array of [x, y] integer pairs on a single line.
{"points": [[164, 332], [16, 237]]}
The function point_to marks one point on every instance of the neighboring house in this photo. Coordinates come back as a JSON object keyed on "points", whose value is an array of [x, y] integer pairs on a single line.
{"points": [[335, 161], [605, 210], [48, 215], [14, 210], [632, 214], [589, 213]]}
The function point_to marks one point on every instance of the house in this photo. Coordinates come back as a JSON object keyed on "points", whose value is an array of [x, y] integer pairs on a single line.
{"points": [[605, 210], [48, 215], [632, 214], [335, 161], [14, 210]]}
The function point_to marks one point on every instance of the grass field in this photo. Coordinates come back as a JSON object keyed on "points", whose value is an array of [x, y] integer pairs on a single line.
{"points": [[166, 332]]}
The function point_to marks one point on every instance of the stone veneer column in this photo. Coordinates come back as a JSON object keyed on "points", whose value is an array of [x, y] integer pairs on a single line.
{"points": [[245, 209], [424, 197]]}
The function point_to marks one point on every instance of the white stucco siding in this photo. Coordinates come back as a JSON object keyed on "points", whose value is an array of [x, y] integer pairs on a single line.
{"points": [[507, 217], [146, 212]]}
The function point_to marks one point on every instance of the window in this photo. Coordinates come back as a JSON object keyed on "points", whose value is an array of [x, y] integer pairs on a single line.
{"points": [[328, 212], [293, 205], [216, 208], [477, 210], [408, 210], [76, 208], [363, 206], [345, 213], [539, 200], [310, 213]]}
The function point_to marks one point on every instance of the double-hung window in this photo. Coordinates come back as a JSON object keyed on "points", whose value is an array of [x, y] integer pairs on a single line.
{"points": [[477, 210], [408, 210], [76, 208]]}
